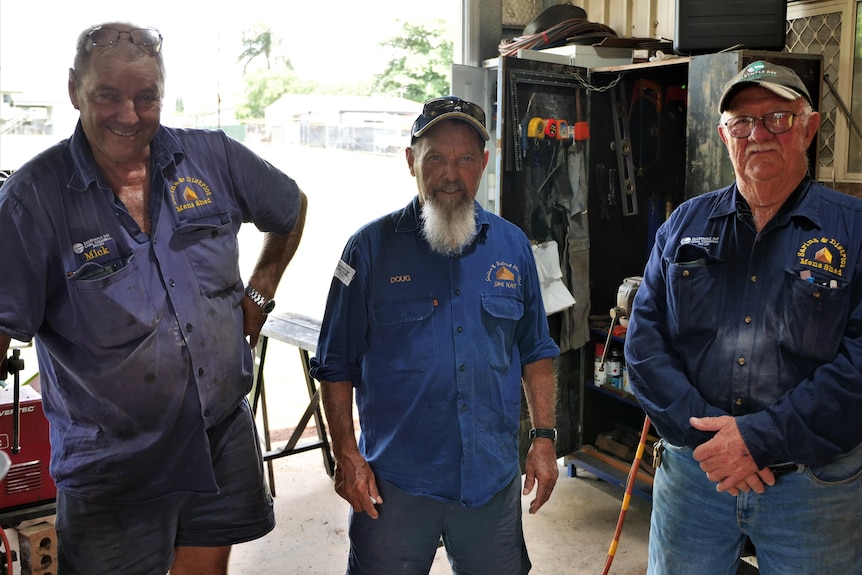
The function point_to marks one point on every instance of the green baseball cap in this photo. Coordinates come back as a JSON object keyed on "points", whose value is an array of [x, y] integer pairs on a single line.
{"points": [[779, 80]]}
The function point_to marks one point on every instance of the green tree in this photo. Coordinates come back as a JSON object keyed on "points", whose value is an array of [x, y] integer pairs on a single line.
{"points": [[258, 41], [419, 68], [264, 87]]}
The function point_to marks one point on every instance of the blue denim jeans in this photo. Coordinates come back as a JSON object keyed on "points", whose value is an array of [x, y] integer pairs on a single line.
{"points": [[808, 523]]}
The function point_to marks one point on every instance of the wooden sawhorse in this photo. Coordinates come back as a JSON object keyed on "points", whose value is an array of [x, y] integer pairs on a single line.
{"points": [[301, 332]]}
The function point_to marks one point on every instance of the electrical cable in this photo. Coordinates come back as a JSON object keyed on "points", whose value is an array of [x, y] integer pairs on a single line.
{"points": [[630, 482], [556, 35]]}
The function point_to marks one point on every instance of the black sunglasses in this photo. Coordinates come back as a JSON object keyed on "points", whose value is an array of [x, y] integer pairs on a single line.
{"points": [[104, 36], [440, 106]]}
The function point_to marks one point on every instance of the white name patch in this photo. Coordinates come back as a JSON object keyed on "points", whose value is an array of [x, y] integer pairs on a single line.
{"points": [[344, 272]]}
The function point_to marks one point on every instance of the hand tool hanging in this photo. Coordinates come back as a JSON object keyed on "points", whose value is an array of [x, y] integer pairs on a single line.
{"points": [[623, 147], [645, 124]]}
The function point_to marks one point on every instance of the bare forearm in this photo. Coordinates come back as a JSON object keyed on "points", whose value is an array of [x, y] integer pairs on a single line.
{"points": [[337, 399], [540, 387], [276, 253]]}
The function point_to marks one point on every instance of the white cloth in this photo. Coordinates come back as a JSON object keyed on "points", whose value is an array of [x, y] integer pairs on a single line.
{"points": [[555, 294]]}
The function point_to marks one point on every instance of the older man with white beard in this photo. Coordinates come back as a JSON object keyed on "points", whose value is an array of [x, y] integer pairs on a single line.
{"points": [[435, 318]]}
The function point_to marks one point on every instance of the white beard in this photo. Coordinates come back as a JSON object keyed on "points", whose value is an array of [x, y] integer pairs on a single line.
{"points": [[449, 227]]}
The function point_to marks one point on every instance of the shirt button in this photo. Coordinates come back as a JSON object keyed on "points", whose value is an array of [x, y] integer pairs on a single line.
{"points": [[457, 292], [461, 367], [741, 361], [754, 279], [200, 371], [685, 273], [460, 329], [738, 401], [748, 319], [816, 295], [172, 283], [463, 408], [188, 327]]}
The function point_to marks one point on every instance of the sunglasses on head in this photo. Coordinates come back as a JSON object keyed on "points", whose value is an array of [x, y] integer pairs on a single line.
{"points": [[440, 106], [104, 36]]}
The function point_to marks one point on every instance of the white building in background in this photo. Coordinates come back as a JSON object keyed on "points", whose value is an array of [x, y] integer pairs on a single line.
{"points": [[364, 123]]}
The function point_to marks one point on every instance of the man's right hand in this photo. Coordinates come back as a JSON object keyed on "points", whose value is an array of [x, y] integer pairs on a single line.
{"points": [[355, 482]]}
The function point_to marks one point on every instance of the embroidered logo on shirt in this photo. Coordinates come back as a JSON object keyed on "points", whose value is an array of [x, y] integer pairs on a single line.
{"points": [[502, 274], [94, 247], [190, 192], [344, 273], [825, 254], [703, 242]]}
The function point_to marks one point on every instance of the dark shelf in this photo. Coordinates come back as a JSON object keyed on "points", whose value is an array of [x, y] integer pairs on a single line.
{"points": [[610, 474]]}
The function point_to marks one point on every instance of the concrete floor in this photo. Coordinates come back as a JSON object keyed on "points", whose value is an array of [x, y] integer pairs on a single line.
{"points": [[571, 534]]}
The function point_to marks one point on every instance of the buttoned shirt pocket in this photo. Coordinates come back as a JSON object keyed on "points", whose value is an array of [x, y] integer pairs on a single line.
{"points": [[403, 332], [813, 317], [213, 251], [694, 293], [500, 316], [116, 302]]}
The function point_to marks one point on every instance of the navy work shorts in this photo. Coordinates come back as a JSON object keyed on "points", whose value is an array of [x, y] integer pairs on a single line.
{"points": [[404, 539], [139, 539]]}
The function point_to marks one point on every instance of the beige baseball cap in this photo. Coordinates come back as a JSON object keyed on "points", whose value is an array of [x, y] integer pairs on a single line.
{"points": [[449, 108]]}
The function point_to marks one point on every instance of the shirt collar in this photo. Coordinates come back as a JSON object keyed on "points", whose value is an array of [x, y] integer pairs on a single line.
{"points": [[800, 204], [164, 149]]}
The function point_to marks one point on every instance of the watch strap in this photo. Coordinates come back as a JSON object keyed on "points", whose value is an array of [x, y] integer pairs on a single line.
{"points": [[261, 300], [544, 433]]}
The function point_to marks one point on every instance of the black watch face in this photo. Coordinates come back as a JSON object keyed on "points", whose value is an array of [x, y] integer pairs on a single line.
{"points": [[270, 305]]}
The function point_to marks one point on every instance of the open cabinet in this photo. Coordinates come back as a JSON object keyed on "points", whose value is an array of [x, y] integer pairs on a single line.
{"points": [[595, 159]]}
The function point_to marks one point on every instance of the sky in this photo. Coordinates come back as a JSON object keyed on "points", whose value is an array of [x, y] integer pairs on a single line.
{"points": [[331, 42]]}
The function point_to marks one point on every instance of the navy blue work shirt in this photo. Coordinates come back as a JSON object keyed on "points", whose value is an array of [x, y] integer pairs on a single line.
{"points": [[766, 327], [434, 346], [139, 337]]}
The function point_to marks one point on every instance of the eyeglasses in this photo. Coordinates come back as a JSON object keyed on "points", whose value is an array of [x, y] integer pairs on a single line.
{"points": [[149, 37], [440, 106], [775, 123]]}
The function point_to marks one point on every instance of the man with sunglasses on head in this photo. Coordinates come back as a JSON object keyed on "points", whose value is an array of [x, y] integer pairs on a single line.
{"points": [[121, 258], [744, 347], [435, 318]]}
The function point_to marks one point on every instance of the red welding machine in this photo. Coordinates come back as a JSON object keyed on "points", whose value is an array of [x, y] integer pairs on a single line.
{"points": [[27, 483]]}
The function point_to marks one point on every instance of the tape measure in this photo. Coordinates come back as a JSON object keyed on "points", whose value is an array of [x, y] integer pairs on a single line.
{"points": [[536, 128]]}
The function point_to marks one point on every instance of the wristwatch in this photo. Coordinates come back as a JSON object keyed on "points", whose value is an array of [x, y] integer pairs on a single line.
{"points": [[266, 305], [546, 433]]}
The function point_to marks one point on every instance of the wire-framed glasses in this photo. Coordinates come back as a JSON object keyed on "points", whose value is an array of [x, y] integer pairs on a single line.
{"points": [[104, 36], [439, 106], [775, 123]]}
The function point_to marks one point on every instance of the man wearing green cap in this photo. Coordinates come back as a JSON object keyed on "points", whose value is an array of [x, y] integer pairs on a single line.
{"points": [[745, 349]]}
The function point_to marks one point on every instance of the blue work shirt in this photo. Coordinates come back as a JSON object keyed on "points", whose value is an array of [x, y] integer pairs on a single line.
{"points": [[434, 346], [139, 337], [761, 326]]}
